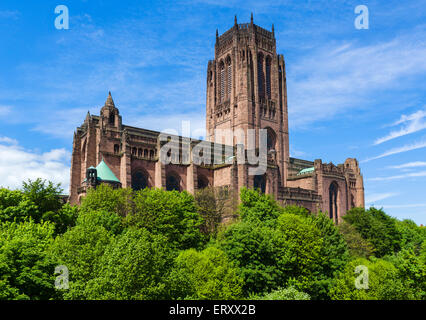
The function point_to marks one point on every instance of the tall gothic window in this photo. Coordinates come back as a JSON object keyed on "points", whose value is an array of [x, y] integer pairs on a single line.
{"points": [[222, 81], [260, 77], [229, 82], [333, 192], [139, 180], [259, 183], [268, 77]]}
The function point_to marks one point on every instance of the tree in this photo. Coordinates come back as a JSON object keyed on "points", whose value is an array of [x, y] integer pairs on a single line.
{"points": [[80, 249], [412, 236], [271, 257], [172, 214], [15, 206], [334, 255], [109, 220], [40, 201], [106, 198], [383, 282], [376, 227], [26, 271], [256, 206], [206, 275], [212, 204], [135, 266], [44, 194], [357, 245], [412, 271]]}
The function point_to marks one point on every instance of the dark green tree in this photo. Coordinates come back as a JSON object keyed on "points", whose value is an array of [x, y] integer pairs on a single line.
{"points": [[171, 214]]}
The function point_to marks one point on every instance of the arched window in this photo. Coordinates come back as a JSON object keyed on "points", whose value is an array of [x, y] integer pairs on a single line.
{"points": [[260, 183], [83, 151], [229, 80], [333, 194], [203, 182], [134, 150], [172, 182], [271, 139], [222, 81], [139, 180], [260, 76], [139, 152], [268, 77], [111, 119], [116, 148]]}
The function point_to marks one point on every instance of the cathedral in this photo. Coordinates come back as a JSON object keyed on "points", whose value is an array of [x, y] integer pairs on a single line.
{"points": [[246, 92]]}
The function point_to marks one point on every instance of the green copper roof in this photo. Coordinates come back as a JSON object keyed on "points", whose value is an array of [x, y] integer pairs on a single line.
{"points": [[306, 170], [104, 172]]}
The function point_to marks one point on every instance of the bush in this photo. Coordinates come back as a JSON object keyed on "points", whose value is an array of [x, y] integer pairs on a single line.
{"points": [[206, 275]]}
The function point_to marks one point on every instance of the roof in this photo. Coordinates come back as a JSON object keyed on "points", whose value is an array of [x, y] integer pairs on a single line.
{"points": [[104, 173], [306, 170]]}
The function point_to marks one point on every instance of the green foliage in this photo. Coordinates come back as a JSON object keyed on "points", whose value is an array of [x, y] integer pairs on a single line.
{"points": [[45, 195], [412, 236], [40, 201], [80, 250], [15, 206], [357, 245], [289, 293], [297, 210], [334, 253], [412, 271], [172, 214], [150, 244], [383, 282], [212, 205], [376, 227], [256, 206], [26, 272], [206, 275], [107, 199], [270, 257], [135, 266], [109, 220]]}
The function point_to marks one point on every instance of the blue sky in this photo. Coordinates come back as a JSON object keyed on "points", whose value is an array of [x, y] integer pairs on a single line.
{"points": [[351, 93]]}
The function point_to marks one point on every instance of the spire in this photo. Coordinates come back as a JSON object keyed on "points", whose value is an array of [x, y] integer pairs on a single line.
{"points": [[235, 20], [251, 18], [217, 33], [109, 101], [273, 31]]}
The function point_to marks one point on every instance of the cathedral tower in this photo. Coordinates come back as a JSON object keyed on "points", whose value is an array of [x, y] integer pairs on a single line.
{"points": [[246, 89]]}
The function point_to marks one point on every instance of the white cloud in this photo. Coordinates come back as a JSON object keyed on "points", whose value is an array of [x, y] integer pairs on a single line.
{"points": [[8, 140], [333, 80], [414, 164], [401, 176], [374, 197], [413, 123], [18, 164], [417, 145]]}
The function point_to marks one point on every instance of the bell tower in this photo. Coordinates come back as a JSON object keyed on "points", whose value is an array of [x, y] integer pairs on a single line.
{"points": [[246, 89]]}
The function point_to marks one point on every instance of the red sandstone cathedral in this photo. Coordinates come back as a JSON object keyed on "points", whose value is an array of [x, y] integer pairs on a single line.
{"points": [[246, 90]]}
